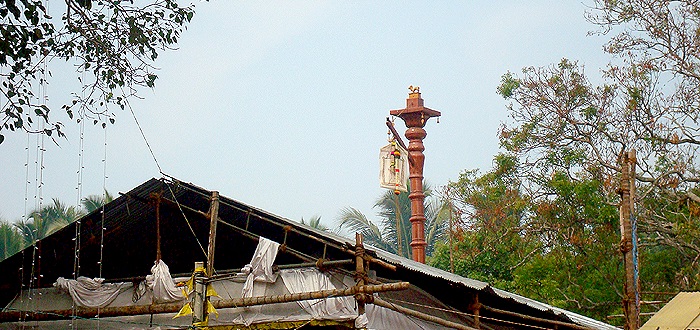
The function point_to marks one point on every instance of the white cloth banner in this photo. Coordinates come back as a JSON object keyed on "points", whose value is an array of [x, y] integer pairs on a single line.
{"points": [[162, 285], [260, 267], [91, 292]]}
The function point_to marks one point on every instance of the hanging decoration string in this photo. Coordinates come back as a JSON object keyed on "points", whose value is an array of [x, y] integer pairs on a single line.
{"points": [[37, 218], [25, 216], [104, 201], [79, 193]]}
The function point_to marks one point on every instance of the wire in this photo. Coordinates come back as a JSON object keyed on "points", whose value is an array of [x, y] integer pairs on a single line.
{"points": [[186, 220], [133, 114], [160, 170]]}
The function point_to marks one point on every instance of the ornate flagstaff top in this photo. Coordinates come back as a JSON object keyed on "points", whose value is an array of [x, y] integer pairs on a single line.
{"points": [[415, 114]]}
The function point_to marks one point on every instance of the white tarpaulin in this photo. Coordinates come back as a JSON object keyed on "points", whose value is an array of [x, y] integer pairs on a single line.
{"points": [[91, 292], [161, 284], [260, 267]]}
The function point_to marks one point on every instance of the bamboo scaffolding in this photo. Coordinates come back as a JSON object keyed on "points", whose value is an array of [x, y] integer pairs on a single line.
{"points": [[348, 248], [88, 312]]}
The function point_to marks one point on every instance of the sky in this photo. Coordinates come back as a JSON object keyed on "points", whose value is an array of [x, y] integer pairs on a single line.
{"points": [[282, 105]]}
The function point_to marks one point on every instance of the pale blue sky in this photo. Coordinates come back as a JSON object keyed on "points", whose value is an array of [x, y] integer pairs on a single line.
{"points": [[281, 104]]}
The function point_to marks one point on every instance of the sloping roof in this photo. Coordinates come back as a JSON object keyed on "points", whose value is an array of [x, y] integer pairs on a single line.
{"points": [[681, 313], [130, 248]]}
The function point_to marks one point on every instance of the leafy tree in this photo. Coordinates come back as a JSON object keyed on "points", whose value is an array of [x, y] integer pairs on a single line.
{"points": [[386, 236], [491, 222], [113, 45], [555, 247], [648, 102]]}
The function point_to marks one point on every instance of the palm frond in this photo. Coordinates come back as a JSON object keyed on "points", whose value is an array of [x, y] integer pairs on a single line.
{"points": [[355, 221]]}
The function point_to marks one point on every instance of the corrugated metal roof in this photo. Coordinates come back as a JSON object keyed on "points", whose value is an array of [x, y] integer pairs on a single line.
{"points": [[479, 285], [576, 318], [428, 270], [682, 312]]}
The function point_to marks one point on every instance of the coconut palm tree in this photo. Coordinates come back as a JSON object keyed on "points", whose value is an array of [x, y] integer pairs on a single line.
{"points": [[315, 222], [394, 230], [11, 240], [94, 202], [47, 220]]}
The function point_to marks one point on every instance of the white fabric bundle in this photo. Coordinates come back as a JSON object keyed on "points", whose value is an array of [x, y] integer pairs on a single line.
{"points": [[162, 285], [91, 292], [260, 267]]}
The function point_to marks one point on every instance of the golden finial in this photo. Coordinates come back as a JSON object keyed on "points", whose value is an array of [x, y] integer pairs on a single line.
{"points": [[414, 90]]}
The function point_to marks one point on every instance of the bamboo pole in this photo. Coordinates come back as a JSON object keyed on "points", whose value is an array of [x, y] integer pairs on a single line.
{"points": [[351, 291], [360, 272], [227, 273], [213, 219], [199, 300], [427, 317], [89, 312], [158, 251]]}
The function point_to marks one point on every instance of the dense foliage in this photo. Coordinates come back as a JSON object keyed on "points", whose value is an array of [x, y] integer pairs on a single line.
{"points": [[544, 221]]}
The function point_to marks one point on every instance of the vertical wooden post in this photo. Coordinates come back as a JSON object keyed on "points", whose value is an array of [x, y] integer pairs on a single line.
{"points": [[158, 253], [199, 298], [475, 309], [630, 304], [452, 264], [635, 241], [360, 272], [213, 220], [415, 115]]}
